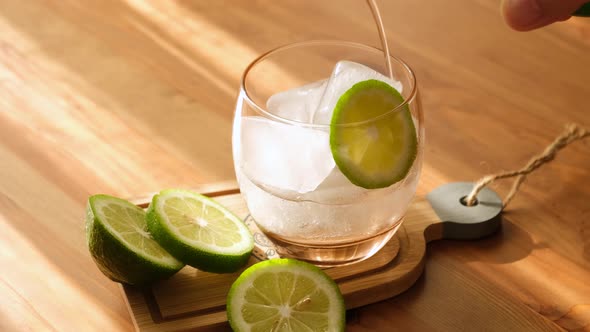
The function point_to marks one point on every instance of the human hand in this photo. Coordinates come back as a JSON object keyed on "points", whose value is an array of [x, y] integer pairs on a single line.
{"points": [[524, 15]]}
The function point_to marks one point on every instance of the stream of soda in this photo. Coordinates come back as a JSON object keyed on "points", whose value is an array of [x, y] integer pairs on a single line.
{"points": [[379, 22]]}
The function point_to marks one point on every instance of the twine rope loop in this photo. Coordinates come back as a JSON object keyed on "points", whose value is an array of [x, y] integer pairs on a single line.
{"points": [[572, 133]]}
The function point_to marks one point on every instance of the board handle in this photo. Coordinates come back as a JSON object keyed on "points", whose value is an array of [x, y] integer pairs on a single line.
{"points": [[457, 221]]}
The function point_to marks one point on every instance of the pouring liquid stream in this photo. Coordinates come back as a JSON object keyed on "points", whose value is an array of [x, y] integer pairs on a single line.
{"points": [[379, 22]]}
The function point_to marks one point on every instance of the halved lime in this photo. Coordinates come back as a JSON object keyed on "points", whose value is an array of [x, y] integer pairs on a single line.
{"points": [[199, 231], [373, 147], [285, 295], [117, 236]]}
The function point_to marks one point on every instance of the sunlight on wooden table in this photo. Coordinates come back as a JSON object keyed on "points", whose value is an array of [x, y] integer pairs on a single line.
{"points": [[128, 97]]}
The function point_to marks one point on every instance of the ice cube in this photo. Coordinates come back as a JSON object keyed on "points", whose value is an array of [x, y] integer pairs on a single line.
{"points": [[284, 156], [297, 104], [345, 75], [336, 189]]}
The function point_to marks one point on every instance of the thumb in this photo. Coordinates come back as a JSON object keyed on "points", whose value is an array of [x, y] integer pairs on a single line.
{"points": [[524, 15]]}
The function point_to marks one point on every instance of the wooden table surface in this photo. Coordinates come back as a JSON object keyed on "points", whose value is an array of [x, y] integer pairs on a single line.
{"points": [[129, 97]]}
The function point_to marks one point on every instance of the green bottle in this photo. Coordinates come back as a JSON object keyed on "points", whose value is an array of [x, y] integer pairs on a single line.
{"points": [[583, 11]]}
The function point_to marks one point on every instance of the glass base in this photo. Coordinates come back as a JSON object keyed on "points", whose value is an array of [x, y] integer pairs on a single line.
{"points": [[331, 255]]}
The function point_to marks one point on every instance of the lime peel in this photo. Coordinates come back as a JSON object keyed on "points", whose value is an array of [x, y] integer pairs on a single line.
{"points": [[120, 245]]}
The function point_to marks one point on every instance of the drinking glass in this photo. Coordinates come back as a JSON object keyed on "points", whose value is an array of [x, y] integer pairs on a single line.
{"points": [[285, 169]]}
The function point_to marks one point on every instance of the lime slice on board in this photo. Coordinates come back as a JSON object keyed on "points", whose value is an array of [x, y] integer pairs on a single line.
{"points": [[285, 295], [373, 147], [117, 236], [199, 231]]}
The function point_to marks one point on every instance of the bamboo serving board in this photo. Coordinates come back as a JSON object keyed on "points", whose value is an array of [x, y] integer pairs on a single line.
{"points": [[195, 300]]}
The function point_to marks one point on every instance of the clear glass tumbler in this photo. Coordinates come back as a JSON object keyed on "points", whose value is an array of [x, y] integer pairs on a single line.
{"points": [[295, 193]]}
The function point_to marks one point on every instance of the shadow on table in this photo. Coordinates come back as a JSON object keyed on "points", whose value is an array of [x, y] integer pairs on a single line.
{"points": [[510, 244]]}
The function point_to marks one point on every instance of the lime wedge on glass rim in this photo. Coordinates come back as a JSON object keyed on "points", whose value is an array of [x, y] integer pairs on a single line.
{"points": [[199, 231], [285, 295], [120, 244], [373, 146]]}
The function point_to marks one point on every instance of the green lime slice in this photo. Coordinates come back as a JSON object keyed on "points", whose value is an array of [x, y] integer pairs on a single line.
{"points": [[285, 295], [117, 236], [372, 147], [199, 231]]}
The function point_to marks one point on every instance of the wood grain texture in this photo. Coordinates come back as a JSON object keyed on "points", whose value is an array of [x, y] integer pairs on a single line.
{"points": [[129, 97]]}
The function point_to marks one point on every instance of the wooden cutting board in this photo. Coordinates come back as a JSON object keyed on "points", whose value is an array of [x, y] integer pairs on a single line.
{"points": [[195, 300]]}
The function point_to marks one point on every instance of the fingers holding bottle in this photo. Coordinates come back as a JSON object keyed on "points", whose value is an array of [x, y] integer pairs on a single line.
{"points": [[525, 15]]}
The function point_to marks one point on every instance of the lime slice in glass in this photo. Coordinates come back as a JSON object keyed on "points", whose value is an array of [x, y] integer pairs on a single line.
{"points": [[285, 295], [117, 236], [199, 231], [373, 146]]}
